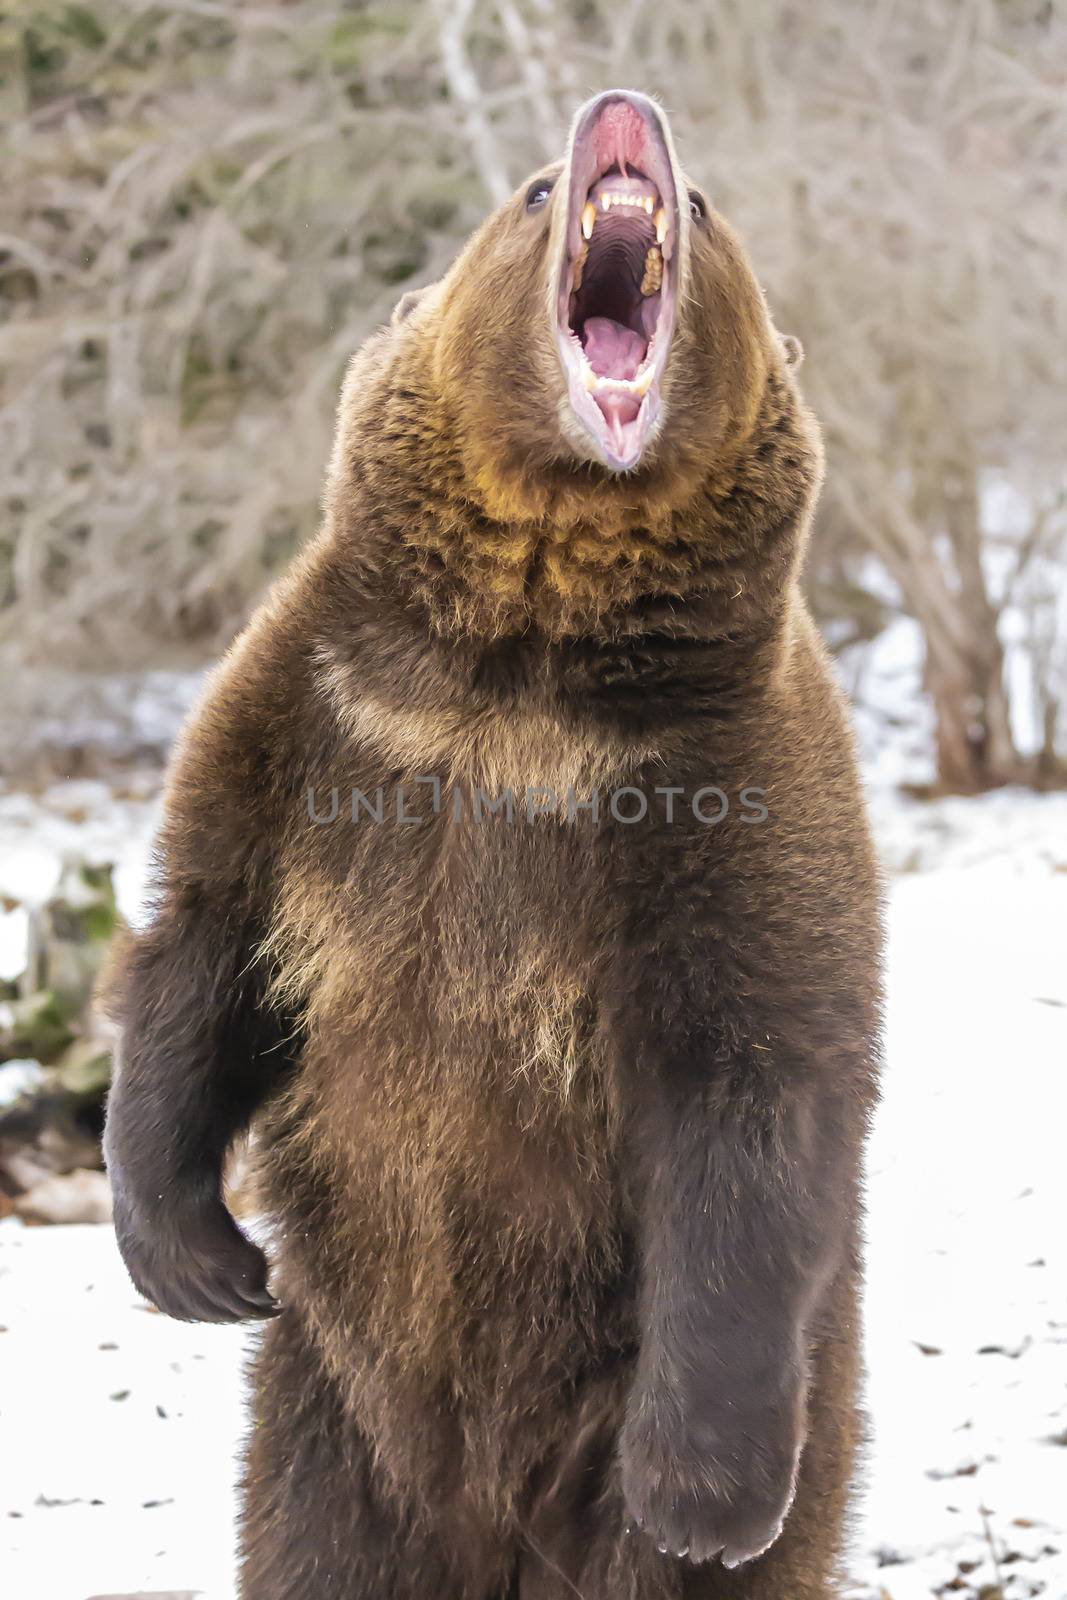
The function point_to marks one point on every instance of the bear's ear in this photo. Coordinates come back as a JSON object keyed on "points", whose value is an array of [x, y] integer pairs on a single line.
{"points": [[406, 305], [792, 349]]}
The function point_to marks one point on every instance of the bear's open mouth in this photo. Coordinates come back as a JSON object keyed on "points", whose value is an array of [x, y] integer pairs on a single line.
{"points": [[618, 277]]}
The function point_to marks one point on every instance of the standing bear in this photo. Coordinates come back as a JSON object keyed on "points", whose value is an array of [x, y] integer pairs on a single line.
{"points": [[515, 886]]}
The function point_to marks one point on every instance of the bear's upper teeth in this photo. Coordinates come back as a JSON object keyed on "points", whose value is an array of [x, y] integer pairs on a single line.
{"points": [[652, 281], [640, 202], [608, 202]]}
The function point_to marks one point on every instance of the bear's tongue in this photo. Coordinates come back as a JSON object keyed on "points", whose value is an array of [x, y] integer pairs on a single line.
{"points": [[612, 349]]}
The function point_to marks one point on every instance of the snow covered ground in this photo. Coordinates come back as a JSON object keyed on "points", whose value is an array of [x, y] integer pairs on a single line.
{"points": [[119, 1427]]}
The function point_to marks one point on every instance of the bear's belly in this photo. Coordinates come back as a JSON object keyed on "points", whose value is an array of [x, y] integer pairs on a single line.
{"points": [[445, 1168], [452, 1229], [452, 1163]]}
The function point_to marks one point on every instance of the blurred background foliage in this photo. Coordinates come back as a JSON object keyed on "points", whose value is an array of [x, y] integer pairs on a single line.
{"points": [[207, 203]]}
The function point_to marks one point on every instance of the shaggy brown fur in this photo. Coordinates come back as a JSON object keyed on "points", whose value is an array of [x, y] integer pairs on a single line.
{"points": [[560, 1116]]}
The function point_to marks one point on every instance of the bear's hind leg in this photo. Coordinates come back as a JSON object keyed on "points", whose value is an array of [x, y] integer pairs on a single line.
{"points": [[572, 1540], [317, 1523]]}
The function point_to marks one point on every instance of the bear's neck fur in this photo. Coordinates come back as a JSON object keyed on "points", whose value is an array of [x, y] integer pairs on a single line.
{"points": [[491, 544]]}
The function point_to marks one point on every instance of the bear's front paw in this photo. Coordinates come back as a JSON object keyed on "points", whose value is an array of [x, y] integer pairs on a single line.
{"points": [[712, 1486], [191, 1260]]}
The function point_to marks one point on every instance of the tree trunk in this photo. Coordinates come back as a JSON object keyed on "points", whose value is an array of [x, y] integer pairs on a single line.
{"points": [[965, 676], [975, 750]]}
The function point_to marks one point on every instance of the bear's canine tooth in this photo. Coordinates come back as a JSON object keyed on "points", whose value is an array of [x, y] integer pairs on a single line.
{"points": [[588, 220], [660, 219]]}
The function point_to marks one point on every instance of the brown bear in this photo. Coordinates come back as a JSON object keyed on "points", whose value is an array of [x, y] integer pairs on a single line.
{"points": [[515, 880]]}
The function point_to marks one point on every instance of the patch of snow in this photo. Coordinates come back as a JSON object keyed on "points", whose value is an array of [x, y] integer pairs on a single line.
{"points": [[967, 1265], [1011, 831], [893, 722], [14, 938], [119, 717], [119, 1428], [80, 819], [18, 1078]]}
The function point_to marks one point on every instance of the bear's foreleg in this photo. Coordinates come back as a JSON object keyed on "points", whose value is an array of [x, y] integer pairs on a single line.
{"points": [[200, 1049], [746, 1103], [577, 1543]]}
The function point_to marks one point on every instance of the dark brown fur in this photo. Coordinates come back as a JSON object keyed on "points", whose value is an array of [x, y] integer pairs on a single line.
{"points": [[560, 1119]]}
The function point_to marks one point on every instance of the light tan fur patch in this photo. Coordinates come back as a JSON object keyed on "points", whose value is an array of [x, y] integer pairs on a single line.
{"points": [[518, 750]]}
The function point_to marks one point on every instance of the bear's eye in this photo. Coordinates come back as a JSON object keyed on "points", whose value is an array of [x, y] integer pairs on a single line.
{"points": [[698, 206], [538, 193]]}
